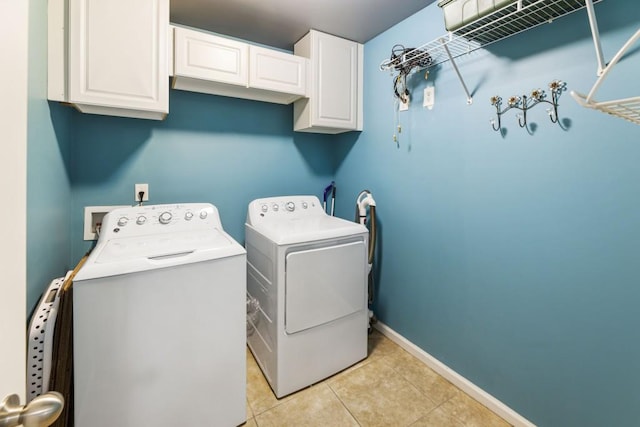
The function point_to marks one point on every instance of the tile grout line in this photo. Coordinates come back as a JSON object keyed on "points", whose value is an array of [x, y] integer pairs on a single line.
{"points": [[343, 404], [387, 360], [437, 405], [453, 415], [463, 384], [408, 380]]}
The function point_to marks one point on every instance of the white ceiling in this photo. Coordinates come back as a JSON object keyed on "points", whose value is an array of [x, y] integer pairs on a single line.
{"points": [[280, 23]]}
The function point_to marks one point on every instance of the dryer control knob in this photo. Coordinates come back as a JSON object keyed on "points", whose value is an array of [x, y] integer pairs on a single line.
{"points": [[275, 207], [141, 220], [188, 216], [304, 205], [123, 221], [203, 214], [165, 217], [291, 206], [264, 208]]}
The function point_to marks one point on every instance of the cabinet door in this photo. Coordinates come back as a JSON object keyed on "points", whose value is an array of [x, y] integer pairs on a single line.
{"points": [[334, 101], [336, 82], [118, 54], [203, 56], [277, 71]]}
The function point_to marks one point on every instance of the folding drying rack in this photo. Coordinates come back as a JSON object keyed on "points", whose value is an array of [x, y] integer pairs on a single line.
{"points": [[625, 108]]}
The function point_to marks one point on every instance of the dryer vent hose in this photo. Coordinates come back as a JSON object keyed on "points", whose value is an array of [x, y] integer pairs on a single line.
{"points": [[372, 232], [363, 201]]}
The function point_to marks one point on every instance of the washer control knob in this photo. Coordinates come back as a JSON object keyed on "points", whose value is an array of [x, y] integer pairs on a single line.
{"points": [[264, 208], [165, 217], [188, 216], [141, 220], [304, 205], [203, 214], [291, 206], [123, 221], [275, 207]]}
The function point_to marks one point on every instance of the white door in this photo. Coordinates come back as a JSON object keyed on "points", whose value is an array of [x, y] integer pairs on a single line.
{"points": [[14, 30], [324, 284], [13, 187]]}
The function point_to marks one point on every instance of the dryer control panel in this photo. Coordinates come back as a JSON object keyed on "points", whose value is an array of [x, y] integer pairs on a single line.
{"points": [[284, 207], [156, 219]]}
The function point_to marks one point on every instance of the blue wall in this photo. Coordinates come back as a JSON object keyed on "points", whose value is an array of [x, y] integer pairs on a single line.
{"points": [[511, 258], [213, 149], [48, 187]]}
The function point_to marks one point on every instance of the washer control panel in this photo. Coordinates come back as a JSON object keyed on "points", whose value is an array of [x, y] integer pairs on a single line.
{"points": [[284, 207], [155, 219]]}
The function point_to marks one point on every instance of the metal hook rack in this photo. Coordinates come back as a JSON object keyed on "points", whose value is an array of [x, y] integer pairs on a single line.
{"points": [[525, 103]]}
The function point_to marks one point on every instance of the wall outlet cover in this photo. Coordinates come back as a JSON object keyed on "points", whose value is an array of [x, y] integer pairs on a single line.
{"points": [[144, 188]]}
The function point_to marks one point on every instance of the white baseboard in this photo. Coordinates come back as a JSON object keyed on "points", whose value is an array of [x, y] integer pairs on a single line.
{"points": [[495, 405]]}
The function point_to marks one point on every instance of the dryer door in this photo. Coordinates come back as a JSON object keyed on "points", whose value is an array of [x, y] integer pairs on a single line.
{"points": [[324, 284]]}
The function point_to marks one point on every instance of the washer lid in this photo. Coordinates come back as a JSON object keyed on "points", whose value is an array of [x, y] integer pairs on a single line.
{"points": [[140, 253], [163, 245]]}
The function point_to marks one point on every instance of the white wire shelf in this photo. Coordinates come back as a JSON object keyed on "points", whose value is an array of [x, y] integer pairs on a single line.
{"points": [[505, 22], [627, 108], [518, 17]]}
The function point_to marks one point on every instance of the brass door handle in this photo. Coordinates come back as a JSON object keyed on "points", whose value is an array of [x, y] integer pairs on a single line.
{"points": [[40, 412]]}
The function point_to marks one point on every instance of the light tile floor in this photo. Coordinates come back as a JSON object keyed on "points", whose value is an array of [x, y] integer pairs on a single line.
{"points": [[388, 388]]}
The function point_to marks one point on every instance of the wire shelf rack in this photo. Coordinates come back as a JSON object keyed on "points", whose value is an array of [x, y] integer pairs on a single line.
{"points": [[627, 108], [516, 18], [512, 19]]}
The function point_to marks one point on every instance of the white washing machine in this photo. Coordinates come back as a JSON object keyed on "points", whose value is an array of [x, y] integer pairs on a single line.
{"points": [[308, 271], [159, 313]]}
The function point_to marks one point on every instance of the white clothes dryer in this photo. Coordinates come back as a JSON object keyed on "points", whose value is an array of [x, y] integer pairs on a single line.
{"points": [[159, 321], [308, 271]]}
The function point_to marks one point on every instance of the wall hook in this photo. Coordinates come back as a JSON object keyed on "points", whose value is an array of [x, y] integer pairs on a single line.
{"points": [[525, 103]]}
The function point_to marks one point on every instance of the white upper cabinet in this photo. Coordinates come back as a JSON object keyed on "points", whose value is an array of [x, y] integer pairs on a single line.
{"points": [[334, 102], [277, 71], [217, 65], [115, 56], [200, 57]]}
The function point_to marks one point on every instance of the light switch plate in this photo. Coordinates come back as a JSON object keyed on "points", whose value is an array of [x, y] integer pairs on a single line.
{"points": [[429, 97]]}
